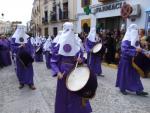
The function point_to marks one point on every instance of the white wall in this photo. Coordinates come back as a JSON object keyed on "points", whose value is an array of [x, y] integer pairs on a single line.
{"points": [[145, 4], [79, 22], [79, 8]]}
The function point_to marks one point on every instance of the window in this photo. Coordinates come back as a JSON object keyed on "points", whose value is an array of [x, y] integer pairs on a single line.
{"points": [[55, 30], [45, 1], [85, 3], [46, 16], [46, 32]]}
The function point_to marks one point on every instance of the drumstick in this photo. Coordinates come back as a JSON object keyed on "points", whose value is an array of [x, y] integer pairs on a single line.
{"points": [[63, 73], [77, 61]]}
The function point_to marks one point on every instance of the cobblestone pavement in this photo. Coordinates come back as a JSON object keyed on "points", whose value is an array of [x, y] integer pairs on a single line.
{"points": [[108, 98]]}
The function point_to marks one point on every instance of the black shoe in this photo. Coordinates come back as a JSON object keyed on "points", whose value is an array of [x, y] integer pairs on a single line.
{"points": [[124, 92], [32, 87], [21, 86], [142, 93], [101, 75]]}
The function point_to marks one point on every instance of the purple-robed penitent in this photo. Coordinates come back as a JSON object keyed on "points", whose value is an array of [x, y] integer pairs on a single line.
{"points": [[31, 47], [38, 57], [54, 48], [5, 52], [24, 74], [13, 47], [47, 58], [66, 101], [12, 42], [93, 60], [127, 76]]}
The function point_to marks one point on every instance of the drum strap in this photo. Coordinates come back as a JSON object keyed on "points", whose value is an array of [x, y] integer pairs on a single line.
{"points": [[89, 61], [84, 101], [22, 63]]}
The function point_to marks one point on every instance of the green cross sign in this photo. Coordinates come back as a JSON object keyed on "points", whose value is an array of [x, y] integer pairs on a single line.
{"points": [[87, 10]]}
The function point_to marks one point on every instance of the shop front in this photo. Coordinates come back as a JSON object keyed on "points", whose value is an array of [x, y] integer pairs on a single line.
{"points": [[110, 23], [103, 16], [108, 16]]}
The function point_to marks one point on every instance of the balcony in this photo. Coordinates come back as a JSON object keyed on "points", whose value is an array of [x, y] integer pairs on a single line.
{"points": [[45, 20], [53, 16]]}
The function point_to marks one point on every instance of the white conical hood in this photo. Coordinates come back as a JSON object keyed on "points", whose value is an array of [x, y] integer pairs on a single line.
{"points": [[48, 44], [32, 40], [55, 40], [132, 35], [68, 42], [38, 41], [92, 35], [20, 35]]}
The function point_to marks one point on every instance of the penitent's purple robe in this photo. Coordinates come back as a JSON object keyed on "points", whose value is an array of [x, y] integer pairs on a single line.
{"points": [[127, 77], [24, 73], [5, 52], [93, 60], [66, 101]]}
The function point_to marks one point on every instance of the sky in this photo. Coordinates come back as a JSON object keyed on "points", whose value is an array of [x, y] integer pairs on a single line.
{"points": [[16, 10]]}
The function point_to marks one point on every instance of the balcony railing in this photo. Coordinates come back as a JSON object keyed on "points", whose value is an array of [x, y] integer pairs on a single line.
{"points": [[53, 17], [45, 20]]}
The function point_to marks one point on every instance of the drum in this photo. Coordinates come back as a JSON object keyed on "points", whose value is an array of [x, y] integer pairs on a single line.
{"points": [[82, 82], [142, 64], [97, 48], [38, 50], [25, 58]]}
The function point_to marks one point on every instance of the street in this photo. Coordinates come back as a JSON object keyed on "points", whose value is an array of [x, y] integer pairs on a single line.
{"points": [[108, 98]]}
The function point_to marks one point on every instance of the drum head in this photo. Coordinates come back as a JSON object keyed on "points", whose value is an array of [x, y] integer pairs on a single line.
{"points": [[97, 47], [78, 78]]}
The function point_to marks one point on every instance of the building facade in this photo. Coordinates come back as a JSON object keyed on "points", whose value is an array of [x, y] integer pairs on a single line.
{"points": [[106, 14], [14, 25], [5, 27], [36, 18], [51, 15]]}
